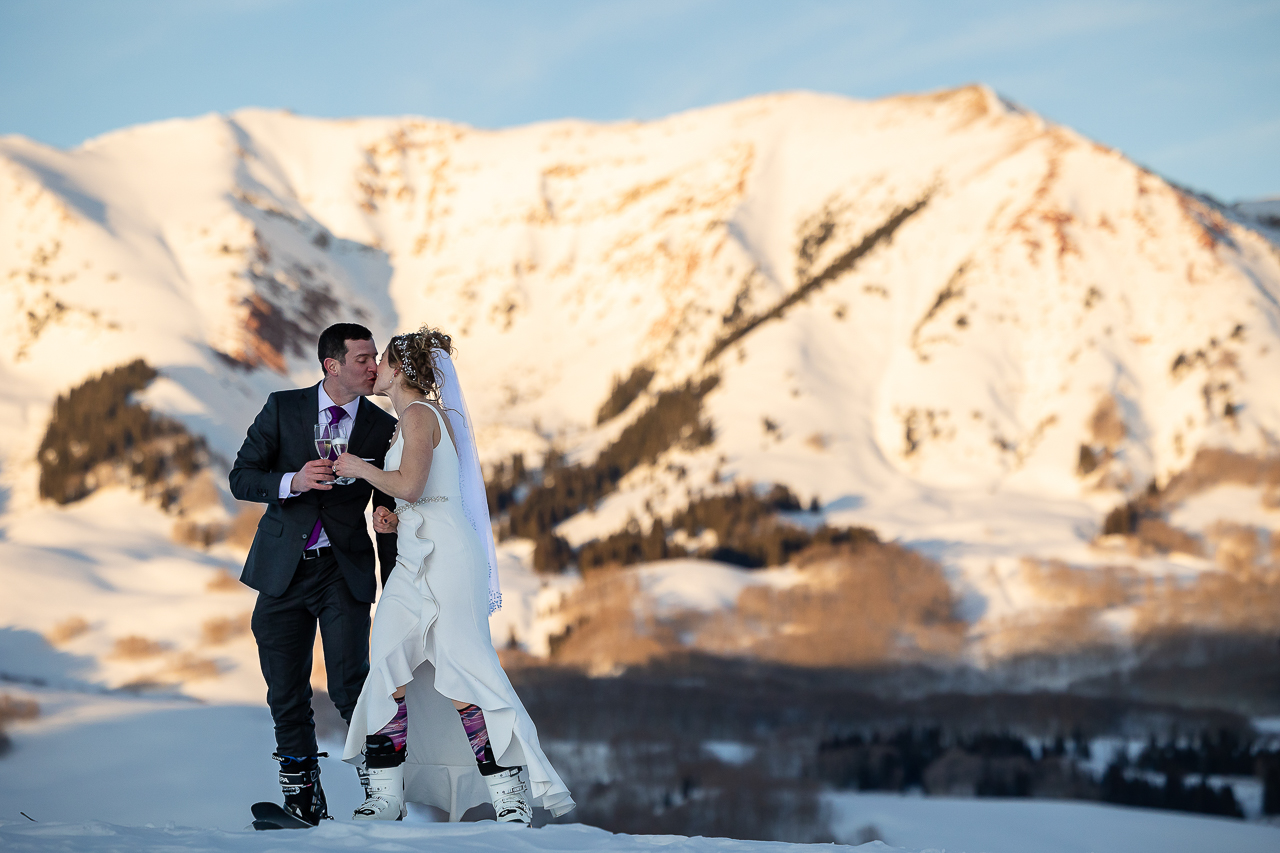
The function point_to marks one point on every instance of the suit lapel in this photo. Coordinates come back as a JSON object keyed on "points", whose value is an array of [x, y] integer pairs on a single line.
{"points": [[360, 429], [308, 416]]}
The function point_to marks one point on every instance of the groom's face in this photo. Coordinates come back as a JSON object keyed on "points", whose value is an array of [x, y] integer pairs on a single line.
{"points": [[355, 373]]}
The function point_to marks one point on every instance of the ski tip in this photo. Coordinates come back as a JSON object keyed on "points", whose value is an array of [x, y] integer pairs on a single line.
{"points": [[275, 814]]}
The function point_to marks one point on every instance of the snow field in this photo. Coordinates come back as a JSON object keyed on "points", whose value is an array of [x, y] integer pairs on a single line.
{"points": [[392, 838], [114, 773], [1038, 826]]}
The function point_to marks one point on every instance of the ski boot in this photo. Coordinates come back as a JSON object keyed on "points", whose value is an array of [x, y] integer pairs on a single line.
{"points": [[509, 792], [362, 773], [385, 795], [300, 782]]}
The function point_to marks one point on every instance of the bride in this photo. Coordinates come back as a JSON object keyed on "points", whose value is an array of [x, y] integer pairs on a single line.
{"points": [[438, 721]]}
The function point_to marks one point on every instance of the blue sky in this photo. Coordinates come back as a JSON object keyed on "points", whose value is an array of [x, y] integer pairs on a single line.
{"points": [[1189, 89]]}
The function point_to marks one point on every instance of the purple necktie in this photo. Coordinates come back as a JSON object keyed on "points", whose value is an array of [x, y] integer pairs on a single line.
{"points": [[336, 414]]}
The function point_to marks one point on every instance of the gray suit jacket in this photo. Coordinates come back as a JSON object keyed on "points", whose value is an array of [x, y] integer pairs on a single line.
{"points": [[282, 439]]}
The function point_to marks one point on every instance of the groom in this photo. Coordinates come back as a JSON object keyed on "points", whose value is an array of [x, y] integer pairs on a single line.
{"points": [[312, 560]]}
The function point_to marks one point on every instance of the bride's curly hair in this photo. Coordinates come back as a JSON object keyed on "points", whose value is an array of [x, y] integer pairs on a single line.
{"points": [[412, 353]]}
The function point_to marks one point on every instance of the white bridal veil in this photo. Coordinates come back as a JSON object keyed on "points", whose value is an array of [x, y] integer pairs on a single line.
{"points": [[471, 479]]}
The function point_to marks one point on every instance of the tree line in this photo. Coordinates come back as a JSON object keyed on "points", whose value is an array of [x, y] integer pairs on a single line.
{"points": [[97, 430]]}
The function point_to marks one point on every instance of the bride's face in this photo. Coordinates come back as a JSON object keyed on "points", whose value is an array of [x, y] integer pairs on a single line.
{"points": [[386, 374]]}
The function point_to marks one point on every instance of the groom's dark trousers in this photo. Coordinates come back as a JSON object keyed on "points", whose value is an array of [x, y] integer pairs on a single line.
{"points": [[297, 591]]}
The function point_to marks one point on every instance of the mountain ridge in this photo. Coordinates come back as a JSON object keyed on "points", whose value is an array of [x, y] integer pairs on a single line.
{"points": [[1008, 329]]}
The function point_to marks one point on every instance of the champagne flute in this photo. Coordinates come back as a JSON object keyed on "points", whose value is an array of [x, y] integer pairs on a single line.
{"points": [[324, 443], [339, 444]]}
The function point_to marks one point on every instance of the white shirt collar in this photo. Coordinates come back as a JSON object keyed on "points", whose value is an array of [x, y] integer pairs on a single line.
{"points": [[350, 408]]}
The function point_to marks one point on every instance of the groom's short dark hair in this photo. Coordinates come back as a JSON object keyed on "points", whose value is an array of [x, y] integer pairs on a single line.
{"points": [[333, 340]]}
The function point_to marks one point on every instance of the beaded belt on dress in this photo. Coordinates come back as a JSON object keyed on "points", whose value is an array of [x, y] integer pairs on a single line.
{"points": [[430, 499]]}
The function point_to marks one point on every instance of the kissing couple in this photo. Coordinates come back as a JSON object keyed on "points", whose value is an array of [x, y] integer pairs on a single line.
{"points": [[432, 717]]}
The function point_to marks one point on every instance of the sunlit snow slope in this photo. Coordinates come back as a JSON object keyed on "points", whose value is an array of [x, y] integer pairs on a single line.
{"points": [[928, 298]]}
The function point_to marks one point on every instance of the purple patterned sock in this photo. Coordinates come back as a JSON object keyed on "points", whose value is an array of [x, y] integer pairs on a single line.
{"points": [[398, 728], [477, 734]]}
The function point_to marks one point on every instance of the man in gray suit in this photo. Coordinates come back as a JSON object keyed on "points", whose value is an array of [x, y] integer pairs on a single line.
{"points": [[312, 560]]}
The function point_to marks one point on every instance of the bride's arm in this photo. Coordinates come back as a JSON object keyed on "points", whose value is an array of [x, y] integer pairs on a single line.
{"points": [[417, 430]]}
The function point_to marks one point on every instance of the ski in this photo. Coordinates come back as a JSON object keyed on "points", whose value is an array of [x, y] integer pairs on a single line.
{"points": [[273, 816]]}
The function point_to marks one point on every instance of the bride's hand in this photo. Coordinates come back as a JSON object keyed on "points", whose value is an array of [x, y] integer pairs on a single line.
{"points": [[384, 520], [347, 465]]}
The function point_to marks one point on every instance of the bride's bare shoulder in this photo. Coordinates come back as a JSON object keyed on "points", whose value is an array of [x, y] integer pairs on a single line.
{"points": [[423, 420], [444, 420]]}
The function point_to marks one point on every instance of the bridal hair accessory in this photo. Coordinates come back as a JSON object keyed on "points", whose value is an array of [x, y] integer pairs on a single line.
{"points": [[470, 476], [403, 350]]}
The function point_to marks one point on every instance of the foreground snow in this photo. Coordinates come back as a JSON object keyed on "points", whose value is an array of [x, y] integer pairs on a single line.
{"points": [[459, 838], [106, 772], [1038, 826]]}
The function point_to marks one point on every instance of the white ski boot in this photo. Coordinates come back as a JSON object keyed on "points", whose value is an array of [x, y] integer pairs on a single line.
{"points": [[509, 792], [385, 771]]}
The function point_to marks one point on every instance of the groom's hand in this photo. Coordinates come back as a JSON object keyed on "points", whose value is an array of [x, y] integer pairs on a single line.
{"points": [[316, 474]]}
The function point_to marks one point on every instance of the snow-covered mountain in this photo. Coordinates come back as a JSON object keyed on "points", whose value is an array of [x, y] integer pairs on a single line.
{"points": [[947, 319]]}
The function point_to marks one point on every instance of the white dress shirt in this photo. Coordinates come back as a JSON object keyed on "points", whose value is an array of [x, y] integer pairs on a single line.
{"points": [[343, 428]]}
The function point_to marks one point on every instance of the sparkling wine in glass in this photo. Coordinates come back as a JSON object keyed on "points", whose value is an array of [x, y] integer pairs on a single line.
{"points": [[324, 443], [339, 445]]}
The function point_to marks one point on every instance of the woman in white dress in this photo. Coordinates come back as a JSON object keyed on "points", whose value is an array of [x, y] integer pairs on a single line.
{"points": [[438, 721]]}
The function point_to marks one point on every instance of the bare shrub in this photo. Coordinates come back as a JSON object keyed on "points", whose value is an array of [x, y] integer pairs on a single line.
{"points": [[1143, 520], [195, 534], [817, 441], [244, 526], [188, 667], [1212, 467], [513, 657], [1124, 519], [1106, 426], [146, 684], [223, 582], [201, 492], [1060, 583], [603, 630], [135, 647], [12, 708], [858, 604], [1071, 600], [1242, 604], [66, 630], [220, 629], [1088, 461], [1236, 546], [1158, 535], [1046, 632]]}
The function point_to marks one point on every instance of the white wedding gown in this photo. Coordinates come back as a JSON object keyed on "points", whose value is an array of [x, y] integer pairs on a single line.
{"points": [[431, 633]]}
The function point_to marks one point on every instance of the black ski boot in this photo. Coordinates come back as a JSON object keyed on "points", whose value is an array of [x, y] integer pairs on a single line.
{"points": [[300, 782]]}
